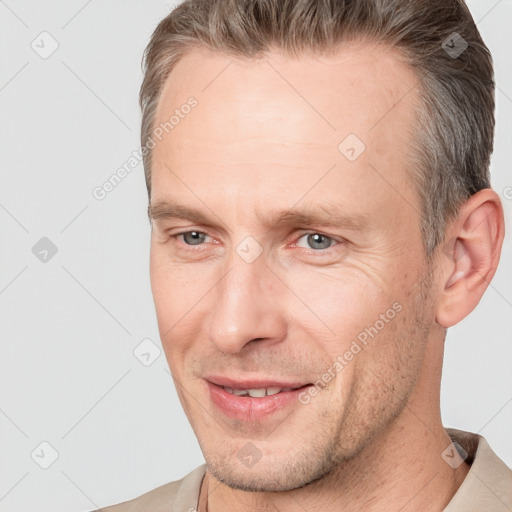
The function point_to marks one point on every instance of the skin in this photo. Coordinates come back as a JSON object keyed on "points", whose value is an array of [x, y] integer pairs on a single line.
{"points": [[264, 137]]}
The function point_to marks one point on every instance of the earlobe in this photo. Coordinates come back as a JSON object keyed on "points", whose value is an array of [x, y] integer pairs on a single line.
{"points": [[473, 254]]}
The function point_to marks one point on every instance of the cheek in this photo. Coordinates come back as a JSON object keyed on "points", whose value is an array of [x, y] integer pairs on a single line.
{"points": [[337, 306], [177, 297], [164, 293], [176, 288]]}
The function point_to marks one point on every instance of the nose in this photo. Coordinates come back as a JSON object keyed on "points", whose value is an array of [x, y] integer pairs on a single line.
{"points": [[246, 307]]}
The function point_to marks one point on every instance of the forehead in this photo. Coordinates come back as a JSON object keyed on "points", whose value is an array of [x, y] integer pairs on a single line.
{"points": [[359, 80], [262, 123]]}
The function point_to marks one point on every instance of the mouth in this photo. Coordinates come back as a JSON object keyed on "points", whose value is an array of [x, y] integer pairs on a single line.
{"points": [[253, 400]]}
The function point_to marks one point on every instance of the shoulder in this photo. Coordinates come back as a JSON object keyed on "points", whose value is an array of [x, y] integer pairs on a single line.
{"points": [[488, 484], [178, 496]]}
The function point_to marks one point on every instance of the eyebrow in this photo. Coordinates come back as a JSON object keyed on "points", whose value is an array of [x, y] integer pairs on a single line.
{"points": [[325, 215], [165, 210]]}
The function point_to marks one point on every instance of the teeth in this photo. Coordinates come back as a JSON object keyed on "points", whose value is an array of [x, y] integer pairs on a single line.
{"points": [[256, 393]]}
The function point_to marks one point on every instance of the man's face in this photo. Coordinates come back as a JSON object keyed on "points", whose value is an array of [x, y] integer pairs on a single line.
{"points": [[301, 251]]}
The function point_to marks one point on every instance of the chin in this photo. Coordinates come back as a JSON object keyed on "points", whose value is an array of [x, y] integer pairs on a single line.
{"points": [[271, 476]]}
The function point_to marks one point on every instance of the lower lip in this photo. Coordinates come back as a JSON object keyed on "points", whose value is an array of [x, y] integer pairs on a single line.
{"points": [[248, 408]]}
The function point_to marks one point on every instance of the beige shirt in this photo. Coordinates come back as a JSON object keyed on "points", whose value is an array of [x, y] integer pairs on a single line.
{"points": [[486, 488]]}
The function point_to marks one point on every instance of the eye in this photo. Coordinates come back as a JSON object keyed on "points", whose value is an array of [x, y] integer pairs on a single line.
{"points": [[315, 241], [192, 237]]}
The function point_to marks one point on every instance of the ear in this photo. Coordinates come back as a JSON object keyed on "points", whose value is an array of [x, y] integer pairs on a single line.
{"points": [[470, 257]]}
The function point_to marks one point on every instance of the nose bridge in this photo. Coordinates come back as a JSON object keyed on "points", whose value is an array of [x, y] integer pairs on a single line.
{"points": [[244, 308]]}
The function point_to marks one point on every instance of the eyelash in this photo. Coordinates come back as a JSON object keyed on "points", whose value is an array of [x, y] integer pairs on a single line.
{"points": [[196, 247]]}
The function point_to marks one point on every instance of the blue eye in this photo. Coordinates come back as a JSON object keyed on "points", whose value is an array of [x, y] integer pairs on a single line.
{"points": [[193, 237], [316, 241]]}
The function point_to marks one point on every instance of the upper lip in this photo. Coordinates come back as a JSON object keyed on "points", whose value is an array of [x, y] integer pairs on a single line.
{"points": [[254, 383]]}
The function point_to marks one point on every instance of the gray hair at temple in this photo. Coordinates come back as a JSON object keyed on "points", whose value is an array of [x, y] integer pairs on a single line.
{"points": [[454, 129]]}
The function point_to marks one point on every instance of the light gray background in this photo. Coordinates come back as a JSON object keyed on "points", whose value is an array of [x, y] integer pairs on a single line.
{"points": [[69, 326]]}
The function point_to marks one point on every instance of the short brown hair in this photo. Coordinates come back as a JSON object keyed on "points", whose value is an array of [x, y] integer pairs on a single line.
{"points": [[453, 136]]}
